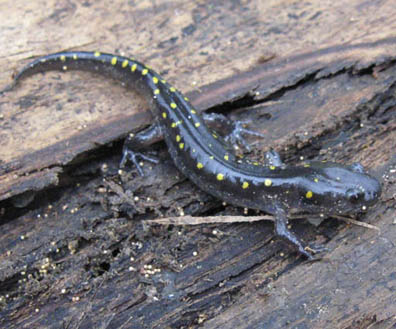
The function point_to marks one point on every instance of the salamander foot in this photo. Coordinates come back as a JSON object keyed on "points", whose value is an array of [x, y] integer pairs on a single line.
{"points": [[233, 131], [128, 154], [236, 135]]}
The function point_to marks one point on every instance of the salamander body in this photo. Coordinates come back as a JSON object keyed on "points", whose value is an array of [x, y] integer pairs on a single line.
{"points": [[201, 154]]}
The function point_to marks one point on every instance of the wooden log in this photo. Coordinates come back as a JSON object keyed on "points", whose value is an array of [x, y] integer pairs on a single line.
{"points": [[76, 250]]}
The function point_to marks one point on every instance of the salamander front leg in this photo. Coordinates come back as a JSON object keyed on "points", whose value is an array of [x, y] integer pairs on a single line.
{"points": [[136, 142], [233, 130], [283, 232]]}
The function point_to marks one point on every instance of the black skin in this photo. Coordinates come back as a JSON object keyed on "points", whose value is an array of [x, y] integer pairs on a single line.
{"points": [[208, 160]]}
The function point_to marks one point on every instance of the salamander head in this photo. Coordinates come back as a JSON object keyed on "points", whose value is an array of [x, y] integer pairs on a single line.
{"points": [[331, 188]]}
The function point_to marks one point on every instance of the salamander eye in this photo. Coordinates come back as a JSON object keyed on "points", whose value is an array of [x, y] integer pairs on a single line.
{"points": [[354, 195]]}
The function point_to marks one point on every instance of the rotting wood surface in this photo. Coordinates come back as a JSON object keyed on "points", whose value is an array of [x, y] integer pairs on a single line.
{"points": [[75, 250]]}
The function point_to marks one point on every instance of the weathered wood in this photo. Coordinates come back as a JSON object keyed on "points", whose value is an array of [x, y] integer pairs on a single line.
{"points": [[319, 79]]}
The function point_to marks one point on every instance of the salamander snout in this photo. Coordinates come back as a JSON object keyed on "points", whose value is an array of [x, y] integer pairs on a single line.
{"points": [[366, 193], [356, 196], [373, 192], [346, 189]]}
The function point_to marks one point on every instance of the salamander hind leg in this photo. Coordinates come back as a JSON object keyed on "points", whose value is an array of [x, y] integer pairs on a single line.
{"points": [[233, 131], [133, 143]]}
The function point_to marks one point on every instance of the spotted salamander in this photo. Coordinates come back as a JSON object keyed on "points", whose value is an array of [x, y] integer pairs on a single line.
{"points": [[203, 156]]}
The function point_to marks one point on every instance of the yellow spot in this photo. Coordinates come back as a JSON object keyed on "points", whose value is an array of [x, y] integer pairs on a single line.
{"points": [[309, 195], [149, 67], [178, 138], [197, 124], [74, 56], [193, 112], [155, 80], [272, 167], [307, 165], [316, 180], [220, 177], [156, 91], [173, 125], [245, 185], [114, 61], [211, 157], [63, 58], [96, 53], [268, 182], [172, 89], [186, 99], [144, 72], [163, 81], [124, 63], [226, 157], [181, 146], [255, 163], [199, 165], [214, 135], [164, 115], [133, 68], [178, 122], [173, 105]]}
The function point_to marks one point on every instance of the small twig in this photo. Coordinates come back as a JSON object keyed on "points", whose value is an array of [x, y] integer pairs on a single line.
{"points": [[190, 220], [357, 223], [126, 322]]}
